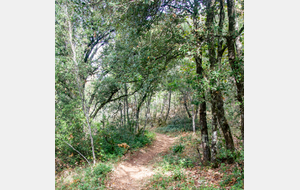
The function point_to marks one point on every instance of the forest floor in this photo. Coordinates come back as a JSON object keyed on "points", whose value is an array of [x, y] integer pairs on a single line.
{"points": [[137, 168]]}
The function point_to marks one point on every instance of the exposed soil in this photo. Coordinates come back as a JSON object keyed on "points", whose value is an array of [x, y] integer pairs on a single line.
{"points": [[136, 169]]}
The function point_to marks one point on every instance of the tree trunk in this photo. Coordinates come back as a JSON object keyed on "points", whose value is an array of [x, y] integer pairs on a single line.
{"points": [[214, 132], [124, 112], [193, 114], [170, 96], [217, 101], [138, 112], [204, 134], [126, 101], [185, 105], [196, 116], [147, 111], [80, 88], [155, 112], [235, 64], [121, 114], [202, 114], [223, 121], [163, 106]]}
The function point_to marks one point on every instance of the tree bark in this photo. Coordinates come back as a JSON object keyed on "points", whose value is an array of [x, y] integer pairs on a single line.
{"points": [[202, 114], [147, 111], [170, 96], [163, 106], [223, 122], [217, 101], [138, 111], [214, 133], [121, 114], [124, 112], [235, 64], [126, 101], [193, 117], [196, 116], [185, 105], [204, 134]]}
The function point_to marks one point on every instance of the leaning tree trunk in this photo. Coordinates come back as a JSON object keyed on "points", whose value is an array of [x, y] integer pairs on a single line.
{"points": [[223, 121]]}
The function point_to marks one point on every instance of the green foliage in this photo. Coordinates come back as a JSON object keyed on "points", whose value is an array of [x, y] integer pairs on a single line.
{"points": [[236, 179], [150, 49], [178, 148], [160, 181], [106, 145], [177, 124], [113, 136], [86, 179], [102, 170], [178, 174]]}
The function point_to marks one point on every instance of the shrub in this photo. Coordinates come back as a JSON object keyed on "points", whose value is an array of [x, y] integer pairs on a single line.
{"points": [[102, 170], [177, 124], [178, 148]]}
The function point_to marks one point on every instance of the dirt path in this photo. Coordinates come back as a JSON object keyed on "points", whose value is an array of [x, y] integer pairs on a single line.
{"points": [[136, 169]]}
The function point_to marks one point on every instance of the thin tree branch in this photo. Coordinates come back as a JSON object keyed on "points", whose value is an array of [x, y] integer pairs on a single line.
{"points": [[241, 30], [75, 150], [94, 113]]}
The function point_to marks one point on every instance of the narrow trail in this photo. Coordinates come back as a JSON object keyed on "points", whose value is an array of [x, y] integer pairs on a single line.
{"points": [[135, 170]]}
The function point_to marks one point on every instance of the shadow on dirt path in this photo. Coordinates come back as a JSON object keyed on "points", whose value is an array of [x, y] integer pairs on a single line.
{"points": [[135, 170]]}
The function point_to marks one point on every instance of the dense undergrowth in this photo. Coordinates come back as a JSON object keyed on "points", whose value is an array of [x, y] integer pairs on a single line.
{"points": [[176, 125], [106, 144], [181, 168], [83, 177]]}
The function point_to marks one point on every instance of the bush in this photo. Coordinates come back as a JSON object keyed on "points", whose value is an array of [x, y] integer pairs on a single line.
{"points": [[178, 148], [177, 124], [105, 144], [102, 170], [236, 179], [178, 174]]}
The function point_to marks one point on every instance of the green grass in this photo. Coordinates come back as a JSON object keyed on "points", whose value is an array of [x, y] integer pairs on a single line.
{"points": [[85, 178]]}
